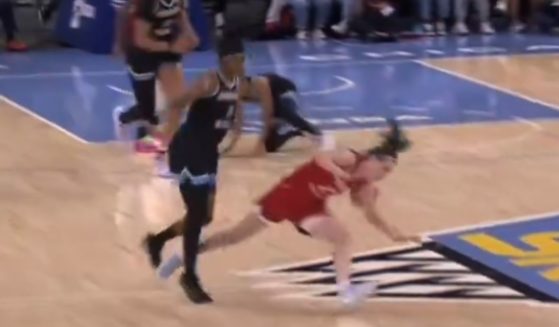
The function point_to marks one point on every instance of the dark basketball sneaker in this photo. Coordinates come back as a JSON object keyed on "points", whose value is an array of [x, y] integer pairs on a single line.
{"points": [[153, 248], [193, 290]]}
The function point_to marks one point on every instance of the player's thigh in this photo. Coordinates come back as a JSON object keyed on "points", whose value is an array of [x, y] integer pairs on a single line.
{"points": [[171, 77], [142, 65], [288, 105], [326, 228]]}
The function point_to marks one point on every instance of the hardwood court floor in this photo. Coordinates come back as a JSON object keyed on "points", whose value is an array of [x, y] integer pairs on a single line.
{"points": [[73, 215], [533, 76]]}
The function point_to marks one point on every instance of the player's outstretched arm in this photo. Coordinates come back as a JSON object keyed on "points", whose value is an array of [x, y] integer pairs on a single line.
{"points": [[365, 198], [267, 106], [188, 39]]}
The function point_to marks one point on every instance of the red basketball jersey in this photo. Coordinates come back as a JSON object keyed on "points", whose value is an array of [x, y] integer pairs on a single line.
{"points": [[301, 194]]}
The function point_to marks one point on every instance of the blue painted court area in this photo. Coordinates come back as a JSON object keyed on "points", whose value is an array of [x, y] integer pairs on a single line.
{"points": [[343, 84], [526, 251]]}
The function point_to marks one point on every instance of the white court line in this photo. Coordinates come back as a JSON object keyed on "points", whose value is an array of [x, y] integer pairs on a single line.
{"points": [[273, 66], [535, 128], [488, 85], [329, 108], [433, 126], [351, 128], [426, 237], [347, 84], [203, 69], [502, 121], [426, 301], [4, 67], [530, 123], [496, 223], [266, 272], [438, 51], [411, 108], [120, 90], [44, 120]]}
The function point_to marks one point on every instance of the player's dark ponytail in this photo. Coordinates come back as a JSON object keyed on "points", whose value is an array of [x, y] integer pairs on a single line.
{"points": [[394, 142], [229, 45]]}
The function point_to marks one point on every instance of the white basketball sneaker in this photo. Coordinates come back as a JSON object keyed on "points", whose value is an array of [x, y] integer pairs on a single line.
{"points": [[170, 266], [354, 295], [119, 127]]}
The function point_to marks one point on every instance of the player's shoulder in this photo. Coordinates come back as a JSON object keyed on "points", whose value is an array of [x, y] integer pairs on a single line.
{"points": [[210, 74], [210, 79], [345, 156], [259, 80]]}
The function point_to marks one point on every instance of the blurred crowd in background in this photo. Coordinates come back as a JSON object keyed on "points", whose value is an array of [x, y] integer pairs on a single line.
{"points": [[367, 20]]}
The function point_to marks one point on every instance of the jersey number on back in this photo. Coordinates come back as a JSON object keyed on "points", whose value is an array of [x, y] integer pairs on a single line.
{"points": [[227, 121]]}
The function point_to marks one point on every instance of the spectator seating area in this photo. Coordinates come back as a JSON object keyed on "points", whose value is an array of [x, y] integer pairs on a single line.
{"points": [[368, 20]]}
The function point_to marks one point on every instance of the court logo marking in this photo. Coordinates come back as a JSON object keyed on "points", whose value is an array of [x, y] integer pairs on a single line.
{"points": [[515, 261], [524, 252]]}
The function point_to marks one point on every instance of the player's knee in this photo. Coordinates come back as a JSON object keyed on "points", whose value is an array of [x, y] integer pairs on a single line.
{"points": [[270, 145], [200, 211], [197, 214], [199, 200]]}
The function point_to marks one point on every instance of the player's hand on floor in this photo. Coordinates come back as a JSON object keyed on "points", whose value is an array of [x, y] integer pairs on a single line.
{"points": [[259, 150], [407, 238]]}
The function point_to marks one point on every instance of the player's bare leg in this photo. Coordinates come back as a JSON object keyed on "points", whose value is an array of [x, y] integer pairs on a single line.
{"points": [[328, 229], [173, 84], [251, 225], [243, 230]]}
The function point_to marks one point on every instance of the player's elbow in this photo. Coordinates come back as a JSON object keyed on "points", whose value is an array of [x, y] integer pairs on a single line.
{"points": [[140, 36], [371, 214], [323, 159], [140, 40], [357, 199]]}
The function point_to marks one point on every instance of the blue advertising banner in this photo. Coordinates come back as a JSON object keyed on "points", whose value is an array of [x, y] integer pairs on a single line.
{"points": [[89, 24]]}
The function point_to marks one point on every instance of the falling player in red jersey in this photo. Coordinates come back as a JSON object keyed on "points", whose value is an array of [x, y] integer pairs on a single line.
{"points": [[301, 199]]}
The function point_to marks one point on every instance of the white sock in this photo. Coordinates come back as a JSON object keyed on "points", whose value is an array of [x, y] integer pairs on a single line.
{"points": [[343, 286]]}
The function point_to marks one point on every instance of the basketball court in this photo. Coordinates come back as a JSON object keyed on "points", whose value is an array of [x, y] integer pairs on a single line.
{"points": [[479, 183]]}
